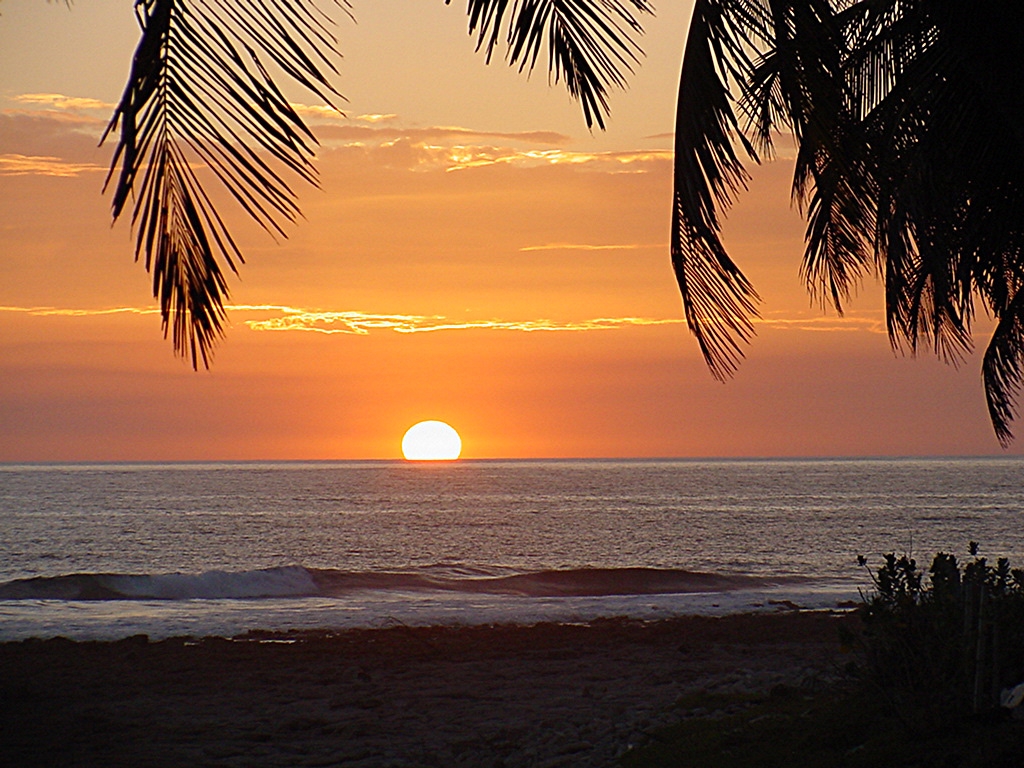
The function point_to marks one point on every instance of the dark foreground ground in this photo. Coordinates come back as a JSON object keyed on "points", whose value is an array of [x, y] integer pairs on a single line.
{"points": [[540, 696]]}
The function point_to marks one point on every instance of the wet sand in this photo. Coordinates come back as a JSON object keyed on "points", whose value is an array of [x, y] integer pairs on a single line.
{"points": [[540, 696]]}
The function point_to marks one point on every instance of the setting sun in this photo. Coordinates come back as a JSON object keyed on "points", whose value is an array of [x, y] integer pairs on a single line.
{"points": [[431, 441]]}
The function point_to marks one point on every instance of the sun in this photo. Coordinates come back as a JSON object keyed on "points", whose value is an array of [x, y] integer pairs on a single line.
{"points": [[431, 441]]}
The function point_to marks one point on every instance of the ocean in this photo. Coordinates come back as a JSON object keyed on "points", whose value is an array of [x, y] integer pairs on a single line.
{"points": [[103, 551]]}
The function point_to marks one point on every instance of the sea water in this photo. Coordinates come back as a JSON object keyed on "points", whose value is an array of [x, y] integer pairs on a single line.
{"points": [[111, 550]]}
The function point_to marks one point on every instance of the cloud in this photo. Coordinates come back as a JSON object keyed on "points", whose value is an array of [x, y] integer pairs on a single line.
{"points": [[354, 322], [362, 323], [614, 162], [323, 112], [407, 153], [455, 148], [589, 247], [375, 118], [58, 108], [46, 133], [35, 165], [74, 120], [359, 323], [61, 102], [372, 134], [865, 322], [59, 312], [39, 138]]}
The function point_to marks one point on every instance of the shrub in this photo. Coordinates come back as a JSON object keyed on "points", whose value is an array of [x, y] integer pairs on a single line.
{"points": [[947, 646]]}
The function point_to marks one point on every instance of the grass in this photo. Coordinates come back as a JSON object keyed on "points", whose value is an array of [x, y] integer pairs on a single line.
{"points": [[846, 727]]}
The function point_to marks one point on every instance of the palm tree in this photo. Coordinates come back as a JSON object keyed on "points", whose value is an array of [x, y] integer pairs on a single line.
{"points": [[910, 159]]}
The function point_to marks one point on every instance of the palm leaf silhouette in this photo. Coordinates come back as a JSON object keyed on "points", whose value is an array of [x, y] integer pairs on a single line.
{"points": [[910, 162], [590, 44], [199, 95]]}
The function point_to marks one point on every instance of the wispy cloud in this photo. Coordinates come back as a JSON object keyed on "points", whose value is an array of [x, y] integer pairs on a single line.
{"points": [[359, 323], [362, 323], [349, 321], [76, 111], [428, 156], [59, 312], [322, 112], [34, 165], [617, 162], [68, 119], [374, 134], [376, 118], [60, 101], [864, 322], [591, 247]]}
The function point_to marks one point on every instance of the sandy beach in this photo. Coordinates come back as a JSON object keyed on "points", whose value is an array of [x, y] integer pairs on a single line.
{"points": [[542, 695]]}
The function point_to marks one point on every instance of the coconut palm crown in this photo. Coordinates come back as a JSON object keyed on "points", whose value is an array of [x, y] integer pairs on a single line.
{"points": [[910, 164]]}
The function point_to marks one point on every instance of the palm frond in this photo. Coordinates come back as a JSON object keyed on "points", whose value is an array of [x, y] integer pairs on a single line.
{"points": [[804, 66], [1003, 368], [840, 229], [199, 95], [591, 44], [938, 182], [717, 299]]}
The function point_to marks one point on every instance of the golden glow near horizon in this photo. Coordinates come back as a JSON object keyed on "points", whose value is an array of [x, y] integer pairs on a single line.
{"points": [[431, 441]]}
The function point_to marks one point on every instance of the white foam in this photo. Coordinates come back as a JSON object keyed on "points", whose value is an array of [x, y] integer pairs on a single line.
{"points": [[114, 619], [288, 581]]}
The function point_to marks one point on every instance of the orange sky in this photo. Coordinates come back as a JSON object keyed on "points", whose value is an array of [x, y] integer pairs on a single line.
{"points": [[475, 256]]}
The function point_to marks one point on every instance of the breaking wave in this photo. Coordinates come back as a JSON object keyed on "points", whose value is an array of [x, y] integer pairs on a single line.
{"points": [[290, 581], [297, 581]]}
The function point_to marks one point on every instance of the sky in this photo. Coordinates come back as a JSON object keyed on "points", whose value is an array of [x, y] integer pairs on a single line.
{"points": [[474, 255]]}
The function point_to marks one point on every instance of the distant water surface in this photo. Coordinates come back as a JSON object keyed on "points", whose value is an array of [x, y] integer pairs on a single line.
{"points": [[113, 549]]}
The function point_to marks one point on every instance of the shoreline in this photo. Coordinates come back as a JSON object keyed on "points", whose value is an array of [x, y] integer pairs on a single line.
{"points": [[503, 695], [159, 619]]}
